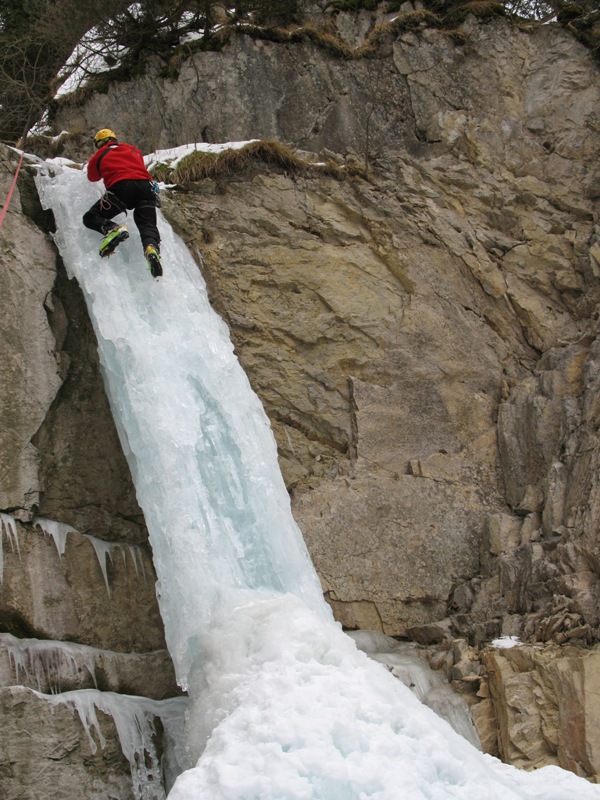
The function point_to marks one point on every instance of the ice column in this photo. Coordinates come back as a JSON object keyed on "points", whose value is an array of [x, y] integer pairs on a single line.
{"points": [[200, 447]]}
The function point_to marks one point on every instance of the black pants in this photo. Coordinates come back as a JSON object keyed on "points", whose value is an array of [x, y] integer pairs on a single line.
{"points": [[121, 196]]}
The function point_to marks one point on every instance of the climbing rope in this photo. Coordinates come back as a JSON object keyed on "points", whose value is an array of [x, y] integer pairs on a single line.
{"points": [[11, 190]]}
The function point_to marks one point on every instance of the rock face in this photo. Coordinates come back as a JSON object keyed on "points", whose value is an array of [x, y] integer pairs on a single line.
{"points": [[559, 687], [334, 349], [424, 340], [56, 752], [67, 597], [28, 274]]}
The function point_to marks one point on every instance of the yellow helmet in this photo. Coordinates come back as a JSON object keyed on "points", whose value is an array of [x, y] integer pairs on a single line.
{"points": [[104, 136]]}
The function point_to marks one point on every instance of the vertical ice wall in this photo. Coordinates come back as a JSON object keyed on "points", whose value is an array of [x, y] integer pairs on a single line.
{"points": [[198, 442]]}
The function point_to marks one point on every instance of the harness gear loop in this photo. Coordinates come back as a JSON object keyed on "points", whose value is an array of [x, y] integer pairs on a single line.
{"points": [[105, 203]]}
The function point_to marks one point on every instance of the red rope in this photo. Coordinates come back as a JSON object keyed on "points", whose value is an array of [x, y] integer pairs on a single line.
{"points": [[11, 190]]}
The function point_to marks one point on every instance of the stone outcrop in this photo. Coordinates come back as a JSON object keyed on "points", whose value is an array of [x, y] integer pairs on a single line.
{"points": [[44, 746], [559, 688], [30, 372], [83, 745], [423, 338], [92, 593], [53, 667]]}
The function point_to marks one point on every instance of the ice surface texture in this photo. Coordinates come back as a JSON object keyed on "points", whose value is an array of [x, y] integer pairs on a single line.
{"points": [[198, 442]]}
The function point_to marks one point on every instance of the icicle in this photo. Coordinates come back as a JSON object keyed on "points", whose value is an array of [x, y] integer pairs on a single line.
{"points": [[136, 554], [8, 524], [134, 720], [58, 530], [41, 663], [49, 659], [89, 663], [133, 552], [81, 701], [103, 549], [17, 656]]}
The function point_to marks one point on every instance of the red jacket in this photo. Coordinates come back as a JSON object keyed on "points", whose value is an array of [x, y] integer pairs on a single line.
{"points": [[119, 162]]}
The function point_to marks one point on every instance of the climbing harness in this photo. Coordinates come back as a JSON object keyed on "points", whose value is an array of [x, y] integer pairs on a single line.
{"points": [[105, 202], [11, 190]]}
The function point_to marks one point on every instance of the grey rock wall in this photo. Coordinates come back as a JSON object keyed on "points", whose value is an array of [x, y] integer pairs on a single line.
{"points": [[256, 89], [30, 369]]}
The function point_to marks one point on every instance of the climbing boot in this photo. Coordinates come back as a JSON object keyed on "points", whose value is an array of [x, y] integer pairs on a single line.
{"points": [[153, 261], [112, 239]]}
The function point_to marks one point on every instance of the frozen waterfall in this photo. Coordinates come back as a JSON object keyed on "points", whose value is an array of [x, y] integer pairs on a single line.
{"points": [[284, 706]]}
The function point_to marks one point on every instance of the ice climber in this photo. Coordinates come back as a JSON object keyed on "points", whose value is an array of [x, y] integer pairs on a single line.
{"points": [[128, 185]]}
